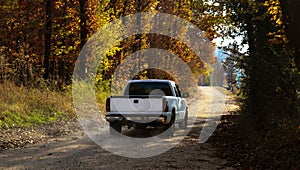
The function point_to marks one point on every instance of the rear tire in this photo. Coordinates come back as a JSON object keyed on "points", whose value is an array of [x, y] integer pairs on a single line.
{"points": [[184, 123], [170, 128], [115, 128]]}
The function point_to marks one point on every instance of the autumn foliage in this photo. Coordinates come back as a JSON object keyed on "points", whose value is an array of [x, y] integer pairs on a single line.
{"points": [[40, 42]]}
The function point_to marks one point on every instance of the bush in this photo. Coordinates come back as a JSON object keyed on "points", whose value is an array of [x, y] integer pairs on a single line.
{"points": [[22, 106]]}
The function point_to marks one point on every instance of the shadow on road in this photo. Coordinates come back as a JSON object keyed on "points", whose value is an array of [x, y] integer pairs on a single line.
{"points": [[79, 152]]}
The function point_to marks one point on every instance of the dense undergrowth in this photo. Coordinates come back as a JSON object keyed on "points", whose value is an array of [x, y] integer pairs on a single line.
{"points": [[275, 151], [276, 146], [23, 106]]}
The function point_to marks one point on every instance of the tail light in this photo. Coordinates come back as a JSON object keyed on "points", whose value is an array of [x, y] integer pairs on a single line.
{"points": [[107, 105], [165, 105]]}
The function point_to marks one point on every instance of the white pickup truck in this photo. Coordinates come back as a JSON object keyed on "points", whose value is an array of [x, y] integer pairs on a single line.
{"points": [[147, 103]]}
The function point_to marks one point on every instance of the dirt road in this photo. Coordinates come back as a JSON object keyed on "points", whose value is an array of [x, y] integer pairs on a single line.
{"points": [[78, 151]]}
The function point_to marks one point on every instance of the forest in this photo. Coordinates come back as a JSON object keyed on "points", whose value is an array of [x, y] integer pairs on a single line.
{"points": [[41, 40]]}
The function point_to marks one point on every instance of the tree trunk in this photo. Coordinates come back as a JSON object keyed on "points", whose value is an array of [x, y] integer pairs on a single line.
{"points": [[83, 37], [48, 34], [292, 18]]}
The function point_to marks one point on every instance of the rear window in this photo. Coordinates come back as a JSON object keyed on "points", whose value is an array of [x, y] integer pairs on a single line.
{"points": [[148, 88]]}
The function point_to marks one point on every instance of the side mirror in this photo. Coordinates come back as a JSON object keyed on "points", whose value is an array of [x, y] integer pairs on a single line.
{"points": [[185, 95]]}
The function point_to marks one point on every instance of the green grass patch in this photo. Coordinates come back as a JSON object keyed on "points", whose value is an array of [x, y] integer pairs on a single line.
{"points": [[21, 106]]}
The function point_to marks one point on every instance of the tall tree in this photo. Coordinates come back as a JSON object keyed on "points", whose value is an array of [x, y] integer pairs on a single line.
{"points": [[83, 36], [270, 119], [48, 35], [292, 23]]}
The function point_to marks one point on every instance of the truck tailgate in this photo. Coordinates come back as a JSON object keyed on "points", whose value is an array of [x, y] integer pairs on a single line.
{"points": [[134, 105]]}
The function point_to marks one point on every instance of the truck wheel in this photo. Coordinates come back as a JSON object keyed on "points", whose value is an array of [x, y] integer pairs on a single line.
{"points": [[115, 127], [183, 124], [170, 128]]}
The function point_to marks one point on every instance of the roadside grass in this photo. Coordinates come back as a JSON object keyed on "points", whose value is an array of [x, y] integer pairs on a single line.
{"points": [[22, 106], [222, 90]]}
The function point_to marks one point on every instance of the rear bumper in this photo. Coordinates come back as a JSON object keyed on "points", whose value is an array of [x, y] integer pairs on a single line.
{"points": [[141, 117]]}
